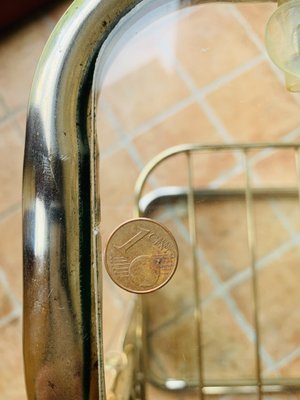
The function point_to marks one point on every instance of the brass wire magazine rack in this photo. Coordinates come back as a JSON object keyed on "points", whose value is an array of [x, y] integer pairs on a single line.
{"points": [[176, 315]]}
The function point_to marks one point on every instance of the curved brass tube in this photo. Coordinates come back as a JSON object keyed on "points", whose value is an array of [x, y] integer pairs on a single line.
{"points": [[61, 211], [62, 285]]}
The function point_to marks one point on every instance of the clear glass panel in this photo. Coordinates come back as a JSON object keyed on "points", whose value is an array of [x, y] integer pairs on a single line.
{"points": [[201, 75]]}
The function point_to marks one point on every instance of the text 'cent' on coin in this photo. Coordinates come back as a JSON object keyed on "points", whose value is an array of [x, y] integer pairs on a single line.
{"points": [[141, 255]]}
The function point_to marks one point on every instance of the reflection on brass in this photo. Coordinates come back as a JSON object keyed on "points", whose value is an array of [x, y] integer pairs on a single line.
{"points": [[141, 255]]}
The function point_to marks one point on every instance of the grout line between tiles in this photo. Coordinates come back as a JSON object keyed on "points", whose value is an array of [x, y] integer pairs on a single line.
{"points": [[245, 275], [130, 147], [231, 304], [235, 281], [230, 76], [9, 211], [196, 96], [215, 280], [285, 360], [10, 115], [223, 133], [17, 309]]}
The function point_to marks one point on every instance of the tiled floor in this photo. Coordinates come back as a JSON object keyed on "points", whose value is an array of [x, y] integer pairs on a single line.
{"points": [[199, 75]]}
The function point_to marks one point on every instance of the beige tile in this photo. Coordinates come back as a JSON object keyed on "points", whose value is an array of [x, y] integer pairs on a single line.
{"points": [[255, 107], [19, 55], [257, 15], [144, 93], [11, 162], [211, 43], [278, 301], [12, 385], [11, 251]]}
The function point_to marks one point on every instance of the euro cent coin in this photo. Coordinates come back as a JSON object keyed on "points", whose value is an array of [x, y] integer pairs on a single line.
{"points": [[141, 255]]}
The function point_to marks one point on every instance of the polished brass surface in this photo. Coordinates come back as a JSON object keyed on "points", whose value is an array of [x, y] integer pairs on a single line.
{"points": [[141, 255]]}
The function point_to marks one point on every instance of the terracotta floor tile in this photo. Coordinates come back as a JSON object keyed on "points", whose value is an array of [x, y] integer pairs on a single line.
{"points": [[175, 298], [222, 235], [269, 231], [209, 166], [11, 251], [12, 385], [3, 110], [278, 300], [291, 212], [107, 136], [257, 15], [279, 169], [291, 369], [144, 93], [11, 162], [255, 107], [189, 125], [201, 45], [224, 342], [175, 347], [20, 120], [116, 188], [6, 305], [172, 172], [19, 56], [114, 312]]}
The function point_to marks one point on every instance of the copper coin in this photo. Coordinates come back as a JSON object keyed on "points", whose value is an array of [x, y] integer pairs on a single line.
{"points": [[141, 255]]}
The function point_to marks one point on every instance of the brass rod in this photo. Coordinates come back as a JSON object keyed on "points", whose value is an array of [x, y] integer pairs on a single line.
{"points": [[196, 280], [184, 148], [269, 385], [252, 249]]}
